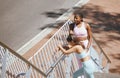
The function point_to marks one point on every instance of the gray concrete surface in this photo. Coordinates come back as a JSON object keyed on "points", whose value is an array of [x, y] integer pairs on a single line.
{"points": [[21, 20], [106, 75]]}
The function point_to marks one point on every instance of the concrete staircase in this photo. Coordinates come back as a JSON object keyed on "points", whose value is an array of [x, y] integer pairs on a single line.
{"points": [[106, 75]]}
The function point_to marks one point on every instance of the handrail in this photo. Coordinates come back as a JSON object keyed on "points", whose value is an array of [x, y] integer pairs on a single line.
{"points": [[102, 50], [22, 58], [53, 66], [51, 38], [46, 59], [44, 49]]}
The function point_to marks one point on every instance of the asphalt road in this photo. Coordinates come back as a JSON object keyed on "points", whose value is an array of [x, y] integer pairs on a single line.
{"points": [[21, 20]]}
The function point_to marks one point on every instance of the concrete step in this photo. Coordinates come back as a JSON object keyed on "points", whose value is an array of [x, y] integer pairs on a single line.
{"points": [[106, 75]]}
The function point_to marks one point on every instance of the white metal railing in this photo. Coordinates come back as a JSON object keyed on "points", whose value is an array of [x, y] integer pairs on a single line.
{"points": [[46, 62], [49, 56], [14, 65], [46, 57], [103, 61]]}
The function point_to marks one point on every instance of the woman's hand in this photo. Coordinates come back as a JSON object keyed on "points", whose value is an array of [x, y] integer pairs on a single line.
{"points": [[71, 32], [59, 47]]}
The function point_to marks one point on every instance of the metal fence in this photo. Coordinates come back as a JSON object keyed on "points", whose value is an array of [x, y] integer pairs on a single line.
{"points": [[47, 62], [15, 66], [102, 61], [47, 56]]}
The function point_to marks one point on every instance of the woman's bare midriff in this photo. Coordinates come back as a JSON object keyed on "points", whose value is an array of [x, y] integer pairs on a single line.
{"points": [[85, 59], [81, 38]]}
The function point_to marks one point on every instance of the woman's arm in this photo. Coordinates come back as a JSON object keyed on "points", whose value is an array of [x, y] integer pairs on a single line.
{"points": [[74, 49], [71, 50], [71, 32], [89, 36]]}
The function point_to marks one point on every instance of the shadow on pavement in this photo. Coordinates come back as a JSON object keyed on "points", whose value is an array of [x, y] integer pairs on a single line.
{"points": [[55, 14], [117, 67], [53, 25], [100, 22]]}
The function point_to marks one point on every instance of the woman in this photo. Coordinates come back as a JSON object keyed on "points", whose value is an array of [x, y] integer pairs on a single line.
{"points": [[81, 30], [83, 55]]}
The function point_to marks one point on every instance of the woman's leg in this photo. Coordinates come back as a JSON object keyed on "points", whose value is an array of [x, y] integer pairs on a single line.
{"points": [[78, 73], [89, 68]]}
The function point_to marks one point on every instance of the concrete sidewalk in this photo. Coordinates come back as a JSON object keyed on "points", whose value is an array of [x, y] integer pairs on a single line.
{"points": [[104, 17], [32, 46]]}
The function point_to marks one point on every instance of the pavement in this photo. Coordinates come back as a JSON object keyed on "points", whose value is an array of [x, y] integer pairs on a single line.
{"points": [[103, 16], [22, 20], [32, 46]]}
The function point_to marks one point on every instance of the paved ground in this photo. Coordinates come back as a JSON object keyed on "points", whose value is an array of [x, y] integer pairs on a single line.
{"points": [[104, 17], [21, 20]]}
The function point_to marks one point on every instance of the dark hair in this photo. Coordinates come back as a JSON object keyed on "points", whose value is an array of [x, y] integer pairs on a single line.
{"points": [[70, 38], [79, 14], [75, 40]]}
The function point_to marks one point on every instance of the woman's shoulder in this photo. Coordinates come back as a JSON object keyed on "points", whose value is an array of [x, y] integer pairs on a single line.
{"points": [[86, 24], [79, 47]]}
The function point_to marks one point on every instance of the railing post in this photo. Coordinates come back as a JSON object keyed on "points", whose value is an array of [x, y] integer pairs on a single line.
{"points": [[106, 69], [19, 58], [68, 60], [3, 72], [28, 73], [51, 75], [101, 57], [53, 65]]}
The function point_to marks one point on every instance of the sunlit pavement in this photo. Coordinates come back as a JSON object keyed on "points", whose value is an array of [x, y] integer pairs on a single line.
{"points": [[103, 16]]}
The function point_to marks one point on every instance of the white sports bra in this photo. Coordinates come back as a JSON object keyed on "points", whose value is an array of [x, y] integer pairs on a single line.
{"points": [[80, 31], [82, 55]]}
